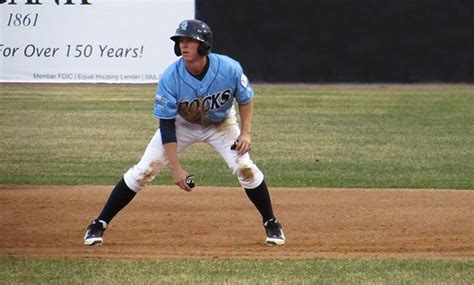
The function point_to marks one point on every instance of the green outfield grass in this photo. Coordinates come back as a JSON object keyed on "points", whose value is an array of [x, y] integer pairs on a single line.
{"points": [[374, 136], [316, 271]]}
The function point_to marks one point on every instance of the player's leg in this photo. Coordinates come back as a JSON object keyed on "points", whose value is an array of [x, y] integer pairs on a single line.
{"points": [[125, 190], [134, 180], [249, 175], [120, 196]]}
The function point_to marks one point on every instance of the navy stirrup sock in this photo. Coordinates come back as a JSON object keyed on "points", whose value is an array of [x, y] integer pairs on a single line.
{"points": [[261, 199], [119, 198]]}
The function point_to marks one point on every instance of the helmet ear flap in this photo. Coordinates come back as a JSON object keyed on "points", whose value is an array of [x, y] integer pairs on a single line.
{"points": [[177, 50], [204, 48]]}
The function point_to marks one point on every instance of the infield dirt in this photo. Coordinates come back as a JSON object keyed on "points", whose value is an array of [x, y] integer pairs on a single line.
{"points": [[163, 222]]}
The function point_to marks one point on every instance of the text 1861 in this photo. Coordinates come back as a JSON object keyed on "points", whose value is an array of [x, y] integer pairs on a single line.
{"points": [[22, 20]]}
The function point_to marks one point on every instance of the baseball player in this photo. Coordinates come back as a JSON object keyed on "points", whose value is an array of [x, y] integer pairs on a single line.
{"points": [[194, 103]]}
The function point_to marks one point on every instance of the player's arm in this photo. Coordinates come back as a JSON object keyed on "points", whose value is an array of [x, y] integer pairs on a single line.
{"points": [[168, 138], [246, 113], [165, 110]]}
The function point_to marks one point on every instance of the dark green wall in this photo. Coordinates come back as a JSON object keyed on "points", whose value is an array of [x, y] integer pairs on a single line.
{"points": [[345, 40]]}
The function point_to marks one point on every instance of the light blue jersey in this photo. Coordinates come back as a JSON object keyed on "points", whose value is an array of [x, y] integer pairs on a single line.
{"points": [[206, 101]]}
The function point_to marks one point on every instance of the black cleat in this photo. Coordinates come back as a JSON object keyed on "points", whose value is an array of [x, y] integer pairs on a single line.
{"points": [[94, 233], [275, 235]]}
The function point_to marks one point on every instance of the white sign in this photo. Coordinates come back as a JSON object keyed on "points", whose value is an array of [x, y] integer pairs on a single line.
{"points": [[109, 41]]}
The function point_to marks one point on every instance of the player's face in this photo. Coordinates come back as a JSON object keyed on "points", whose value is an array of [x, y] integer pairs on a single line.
{"points": [[189, 48]]}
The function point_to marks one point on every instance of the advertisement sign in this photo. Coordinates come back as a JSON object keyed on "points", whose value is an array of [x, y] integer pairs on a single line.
{"points": [[108, 41]]}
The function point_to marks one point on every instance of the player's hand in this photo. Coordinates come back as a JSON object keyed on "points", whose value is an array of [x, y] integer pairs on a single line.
{"points": [[179, 176], [244, 144]]}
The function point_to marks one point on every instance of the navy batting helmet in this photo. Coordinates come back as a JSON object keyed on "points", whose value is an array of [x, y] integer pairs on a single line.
{"points": [[194, 29]]}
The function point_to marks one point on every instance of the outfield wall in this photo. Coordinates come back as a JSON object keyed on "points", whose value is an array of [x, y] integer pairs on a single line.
{"points": [[346, 41], [118, 41]]}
